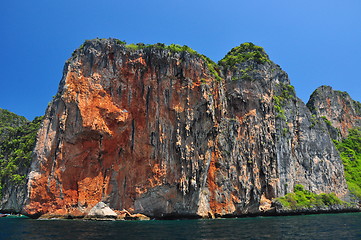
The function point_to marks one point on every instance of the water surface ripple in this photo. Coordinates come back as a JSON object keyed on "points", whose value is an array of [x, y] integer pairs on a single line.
{"points": [[323, 226]]}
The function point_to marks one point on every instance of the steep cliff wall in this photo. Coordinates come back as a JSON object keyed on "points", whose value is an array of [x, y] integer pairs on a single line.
{"points": [[133, 128], [156, 130], [342, 116], [268, 141], [338, 108]]}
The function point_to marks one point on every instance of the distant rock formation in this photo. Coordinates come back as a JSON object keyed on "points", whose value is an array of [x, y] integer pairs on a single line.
{"points": [[338, 108]]}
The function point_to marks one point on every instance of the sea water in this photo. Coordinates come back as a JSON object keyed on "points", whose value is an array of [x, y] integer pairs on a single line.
{"points": [[322, 226]]}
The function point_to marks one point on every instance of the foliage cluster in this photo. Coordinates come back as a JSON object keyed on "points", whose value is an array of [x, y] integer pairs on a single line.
{"points": [[171, 47], [303, 199], [314, 120], [350, 151], [246, 53], [16, 145], [9, 119], [120, 42], [246, 74], [287, 93], [243, 53], [326, 120]]}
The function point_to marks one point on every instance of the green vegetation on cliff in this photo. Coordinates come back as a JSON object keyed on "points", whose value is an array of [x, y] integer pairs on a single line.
{"points": [[10, 120], [304, 199], [350, 151], [171, 47], [326, 121], [174, 48], [17, 140], [286, 93], [212, 66], [243, 53], [245, 59]]}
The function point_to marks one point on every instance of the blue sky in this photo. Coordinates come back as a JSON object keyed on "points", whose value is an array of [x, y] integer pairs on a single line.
{"points": [[316, 42]]}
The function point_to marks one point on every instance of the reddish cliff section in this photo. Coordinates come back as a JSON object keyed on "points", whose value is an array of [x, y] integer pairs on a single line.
{"points": [[132, 128], [337, 107], [155, 131]]}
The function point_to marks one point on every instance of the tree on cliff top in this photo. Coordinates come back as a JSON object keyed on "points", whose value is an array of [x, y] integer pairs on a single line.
{"points": [[245, 52]]}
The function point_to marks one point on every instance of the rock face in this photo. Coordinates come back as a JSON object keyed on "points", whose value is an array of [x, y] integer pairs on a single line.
{"points": [[155, 131], [338, 108], [13, 197], [101, 211]]}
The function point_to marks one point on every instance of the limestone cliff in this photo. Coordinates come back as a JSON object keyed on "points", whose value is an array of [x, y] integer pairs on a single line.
{"points": [[17, 140], [269, 140], [338, 108], [163, 131]]}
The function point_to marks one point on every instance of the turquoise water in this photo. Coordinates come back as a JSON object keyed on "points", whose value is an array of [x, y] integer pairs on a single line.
{"points": [[323, 226]]}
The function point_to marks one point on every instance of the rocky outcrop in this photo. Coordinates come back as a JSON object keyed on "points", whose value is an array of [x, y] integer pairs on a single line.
{"points": [[13, 197], [338, 108], [101, 212], [165, 132], [281, 210], [126, 215]]}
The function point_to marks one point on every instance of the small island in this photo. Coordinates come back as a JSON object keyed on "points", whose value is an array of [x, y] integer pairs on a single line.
{"points": [[140, 131]]}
